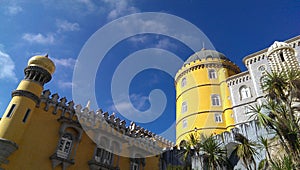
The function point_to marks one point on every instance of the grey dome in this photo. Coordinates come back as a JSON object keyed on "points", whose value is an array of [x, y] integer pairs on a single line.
{"points": [[205, 54]]}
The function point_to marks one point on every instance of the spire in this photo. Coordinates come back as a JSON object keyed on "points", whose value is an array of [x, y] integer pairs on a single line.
{"points": [[88, 104], [46, 55], [203, 46]]}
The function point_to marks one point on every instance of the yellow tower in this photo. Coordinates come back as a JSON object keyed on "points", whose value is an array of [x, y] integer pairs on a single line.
{"points": [[16, 118], [202, 95]]}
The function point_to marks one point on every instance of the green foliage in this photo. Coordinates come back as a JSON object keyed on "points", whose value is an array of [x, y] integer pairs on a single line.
{"points": [[285, 164], [280, 116], [209, 149], [246, 151]]}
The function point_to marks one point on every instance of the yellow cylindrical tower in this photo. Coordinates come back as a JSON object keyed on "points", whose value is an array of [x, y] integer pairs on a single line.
{"points": [[202, 95], [24, 99]]}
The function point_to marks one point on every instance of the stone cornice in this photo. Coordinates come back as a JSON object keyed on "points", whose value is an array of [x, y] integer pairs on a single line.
{"points": [[185, 70], [27, 94]]}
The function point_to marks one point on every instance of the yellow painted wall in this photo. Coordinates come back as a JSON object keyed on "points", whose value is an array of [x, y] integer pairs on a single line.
{"points": [[38, 137], [40, 140], [197, 93], [12, 128]]}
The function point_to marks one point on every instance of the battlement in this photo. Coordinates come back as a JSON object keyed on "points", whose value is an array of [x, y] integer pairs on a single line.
{"points": [[238, 78], [262, 54], [101, 121], [206, 63]]}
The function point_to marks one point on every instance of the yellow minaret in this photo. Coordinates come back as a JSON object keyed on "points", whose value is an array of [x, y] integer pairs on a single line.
{"points": [[25, 98], [202, 95]]}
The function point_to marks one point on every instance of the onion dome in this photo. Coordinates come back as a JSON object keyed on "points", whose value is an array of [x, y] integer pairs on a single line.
{"points": [[205, 54], [43, 62]]}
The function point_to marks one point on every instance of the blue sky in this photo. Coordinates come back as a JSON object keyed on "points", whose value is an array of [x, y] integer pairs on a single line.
{"points": [[61, 29]]}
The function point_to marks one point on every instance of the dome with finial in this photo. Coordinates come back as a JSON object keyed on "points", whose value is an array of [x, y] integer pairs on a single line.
{"points": [[205, 54], [277, 45], [43, 62]]}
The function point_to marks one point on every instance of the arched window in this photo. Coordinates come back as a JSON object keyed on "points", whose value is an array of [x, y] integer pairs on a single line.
{"points": [[245, 92], [65, 146], [262, 68], [212, 74], [184, 123], [184, 107], [183, 82], [215, 100]]}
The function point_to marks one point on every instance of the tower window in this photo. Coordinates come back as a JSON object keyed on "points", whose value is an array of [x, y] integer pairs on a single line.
{"points": [[135, 166], [26, 115], [183, 82], [103, 156], [281, 57], [212, 74], [65, 146], [245, 92], [184, 107], [10, 112], [262, 68], [184, 123], [215, 100], [218, 118]]}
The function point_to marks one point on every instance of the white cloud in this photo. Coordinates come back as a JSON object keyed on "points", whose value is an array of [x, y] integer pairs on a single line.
{"points": [[89, 4], [120, 8], [138, 101], [143, 25], [65, 62], [7, 67], [13, 10], [139, 39], [64, 25], [165, 43], [39, 38], [64, 84]]}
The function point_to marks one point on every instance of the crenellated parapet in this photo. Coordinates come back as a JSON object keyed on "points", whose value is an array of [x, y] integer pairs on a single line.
{"points": [[238, 78], [262, 54], [206, 63], [255, 57], [59, 105], [99, 125]]}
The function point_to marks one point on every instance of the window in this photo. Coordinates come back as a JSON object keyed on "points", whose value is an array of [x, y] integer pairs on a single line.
{"points": [[215, 100], [262, 68], [183, 107], [137, 163], [184, 123], [245, 92], [218, 117], [281, 57], [64, 146], [26, 115], [103, 156], [183, 82], [135, 166], [10, 112], [212, 74]]}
